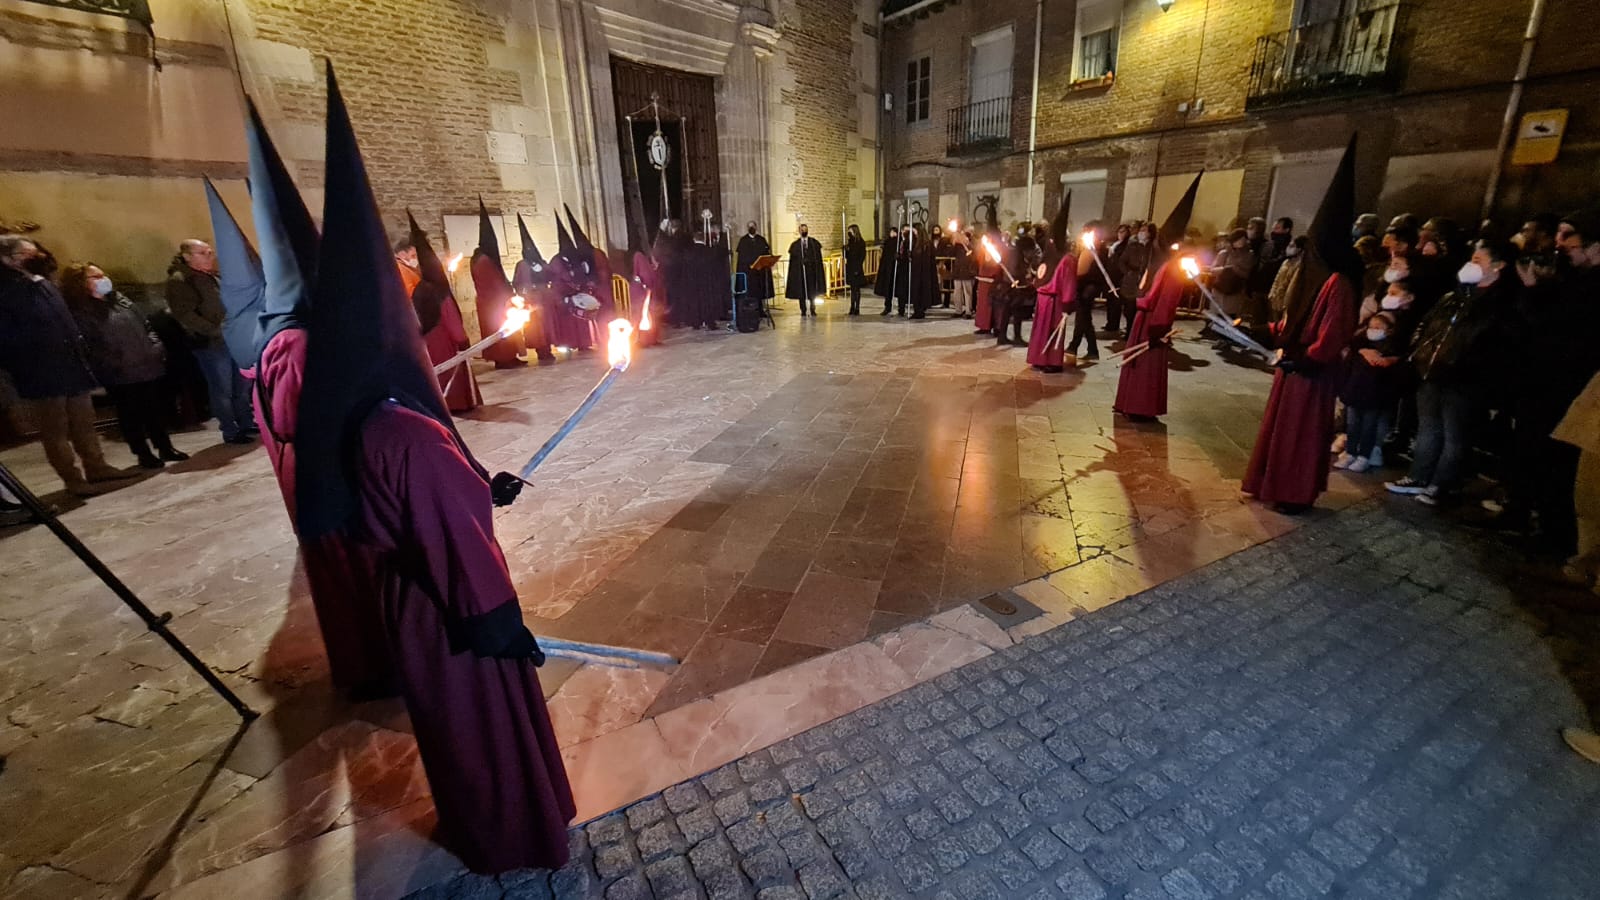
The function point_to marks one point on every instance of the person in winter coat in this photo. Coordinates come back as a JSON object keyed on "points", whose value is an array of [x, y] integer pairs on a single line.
{"points": [[963, 275], [1133, 260], [195, 298], [45, 357], [126, 357], [855, 262], [1452, 359]]}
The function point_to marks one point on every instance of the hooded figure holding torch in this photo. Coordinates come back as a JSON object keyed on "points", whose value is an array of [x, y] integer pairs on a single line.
{"points": [[1142, 386], [1289, 466], [382, 469]]}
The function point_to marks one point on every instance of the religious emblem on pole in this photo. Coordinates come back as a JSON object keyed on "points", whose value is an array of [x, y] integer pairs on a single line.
{"points": [[659, 152]]}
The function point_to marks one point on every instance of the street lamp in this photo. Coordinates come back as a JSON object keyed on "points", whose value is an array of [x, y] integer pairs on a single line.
{"points": [[1165, 4]]}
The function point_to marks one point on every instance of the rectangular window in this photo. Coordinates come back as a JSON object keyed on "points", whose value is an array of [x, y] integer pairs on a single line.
{"points": [[918, 78], [1097, 54], [1096, 48]]}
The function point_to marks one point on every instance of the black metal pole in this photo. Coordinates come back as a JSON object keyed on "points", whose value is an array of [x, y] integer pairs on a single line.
{"points": [[156, 623]]}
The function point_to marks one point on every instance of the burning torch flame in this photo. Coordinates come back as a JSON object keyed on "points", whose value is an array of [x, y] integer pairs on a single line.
{"points": [[517, 315], [991, 249], [1189, 266], [1174, 246], [1088, 239], [644, 314], [953, 225], [619, 349], [455, 261]]}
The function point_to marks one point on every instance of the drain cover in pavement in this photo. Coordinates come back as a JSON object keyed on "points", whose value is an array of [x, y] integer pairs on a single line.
{"points": [[1007, 608]]}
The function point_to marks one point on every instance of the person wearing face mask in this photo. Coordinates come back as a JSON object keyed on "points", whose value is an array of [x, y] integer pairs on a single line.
{"points": [[752, 246], [1555, 324], [44, 354], [855, 261], [1278, 295], [126, 357], [1130, 260], [804, 281], [1370, 390], [1452, 358]]}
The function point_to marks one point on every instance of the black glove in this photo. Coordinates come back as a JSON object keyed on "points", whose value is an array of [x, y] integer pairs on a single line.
{"points": [[522, 646], [1286, 365], [504, 488]]}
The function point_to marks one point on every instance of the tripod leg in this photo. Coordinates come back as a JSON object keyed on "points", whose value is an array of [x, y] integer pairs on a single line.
{"points": [[156, 623]]}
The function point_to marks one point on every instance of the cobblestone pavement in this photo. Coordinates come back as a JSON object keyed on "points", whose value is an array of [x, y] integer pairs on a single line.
{"points": [[1366, 707]]}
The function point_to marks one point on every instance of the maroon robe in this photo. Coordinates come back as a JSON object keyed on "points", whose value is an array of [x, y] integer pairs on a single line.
{"points": [[445, 340], [988, 271], [542, 308], [569, 329], [341, 592], [1052, 304], [1142, 387], [494, 293], [1290, 462], [482, 728]]}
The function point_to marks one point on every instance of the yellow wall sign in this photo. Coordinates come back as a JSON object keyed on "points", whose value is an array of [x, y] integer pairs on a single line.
{"points": [[1539, 137]]}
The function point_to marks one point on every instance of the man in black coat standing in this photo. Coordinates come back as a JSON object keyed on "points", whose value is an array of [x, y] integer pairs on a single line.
{"points": [[758, 285], [805, 279]]}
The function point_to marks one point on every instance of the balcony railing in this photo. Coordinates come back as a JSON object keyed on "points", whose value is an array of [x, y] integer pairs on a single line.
{"points": [[976, 127], [1348, 55]]}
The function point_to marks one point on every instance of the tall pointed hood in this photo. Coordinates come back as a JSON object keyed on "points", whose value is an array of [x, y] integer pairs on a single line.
{"points": [[1058, 225], [428, 297], [530, 250], [240, 281], [286, 232], [1177, 224], [363, 346], [564, 244], [581, 239], [488, 241], [1330, 251]]}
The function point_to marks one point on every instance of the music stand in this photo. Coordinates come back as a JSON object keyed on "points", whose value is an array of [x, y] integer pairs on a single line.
{"points": [[765, 264]]}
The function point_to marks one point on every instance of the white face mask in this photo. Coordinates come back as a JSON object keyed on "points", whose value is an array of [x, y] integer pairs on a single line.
{"points": [[1390, 301], [1392, 275], [1375, 334], [1142, 238], [1471, 273], [101, 286], [1292, 251]]}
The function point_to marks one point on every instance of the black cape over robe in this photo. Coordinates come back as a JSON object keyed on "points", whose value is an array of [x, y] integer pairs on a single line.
{"points": [[811, 277], [757, 284]]}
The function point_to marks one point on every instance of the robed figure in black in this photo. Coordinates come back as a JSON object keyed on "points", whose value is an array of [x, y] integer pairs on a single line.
{"points": [[805, 280], [758, 285], [924, 286], [855, 261], [887, 264]]}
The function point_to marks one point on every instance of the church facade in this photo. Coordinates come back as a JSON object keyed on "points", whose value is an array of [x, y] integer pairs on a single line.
{"points": [[525, 103]]}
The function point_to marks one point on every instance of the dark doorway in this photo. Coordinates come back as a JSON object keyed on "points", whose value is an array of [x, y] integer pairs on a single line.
{"points": [[688, 107]]}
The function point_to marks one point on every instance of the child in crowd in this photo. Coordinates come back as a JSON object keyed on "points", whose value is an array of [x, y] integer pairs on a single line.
{"points": [[1371, 388]]}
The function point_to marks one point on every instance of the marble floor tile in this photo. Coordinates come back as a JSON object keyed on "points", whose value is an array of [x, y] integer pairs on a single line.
{"points": [[829, 611], [751, 615]]}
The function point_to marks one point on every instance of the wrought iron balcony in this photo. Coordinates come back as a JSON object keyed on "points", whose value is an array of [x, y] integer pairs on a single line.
{"points": [[977, 127], [1351, 54]]}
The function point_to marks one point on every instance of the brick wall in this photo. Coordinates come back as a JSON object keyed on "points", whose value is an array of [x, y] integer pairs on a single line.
{"points": [[818, 170], [417, 79], [1457, 63]]}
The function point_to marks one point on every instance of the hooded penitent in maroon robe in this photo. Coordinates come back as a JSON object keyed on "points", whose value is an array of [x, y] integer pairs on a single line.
{"points": [[1142, 387], [340, 579], [1053, 302], [988, 271], [1290, 462], [482, 727], [380, 467], [494, 295]]}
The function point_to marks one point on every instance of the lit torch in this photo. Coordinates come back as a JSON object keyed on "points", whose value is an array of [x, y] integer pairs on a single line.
{"points": [[994, 254], [1218, 317], [455, 262], [619, 353], [952, 226], [644, 314], [517, 314], [1088, 241]]}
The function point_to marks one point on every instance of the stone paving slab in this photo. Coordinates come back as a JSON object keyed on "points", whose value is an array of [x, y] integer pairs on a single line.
{"points": [[1366, 707]]}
